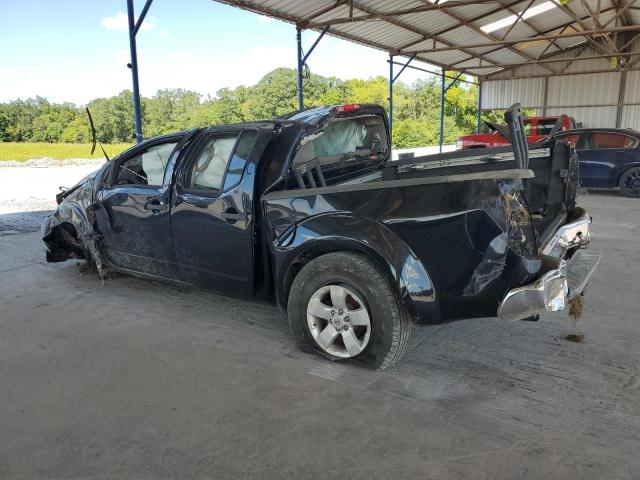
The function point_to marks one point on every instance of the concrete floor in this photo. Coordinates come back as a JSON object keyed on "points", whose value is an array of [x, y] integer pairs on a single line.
{"points": [[140, 380]]}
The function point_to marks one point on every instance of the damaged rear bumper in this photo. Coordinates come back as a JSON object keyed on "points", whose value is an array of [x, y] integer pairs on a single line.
{"points": [[551, 292]]}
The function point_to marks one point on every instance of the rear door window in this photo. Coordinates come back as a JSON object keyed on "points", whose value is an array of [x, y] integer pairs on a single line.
{"points": [[606, 140], [239, 159], [573, 139], [220, 164], [211, 164]]}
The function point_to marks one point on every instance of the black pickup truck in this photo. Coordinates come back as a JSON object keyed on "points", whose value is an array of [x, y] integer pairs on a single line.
{"points": [[309, 211]]}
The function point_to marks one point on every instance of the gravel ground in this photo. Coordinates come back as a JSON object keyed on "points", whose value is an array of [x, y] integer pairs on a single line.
{"points": [[134, 379], [51, 162], [28, 191]]}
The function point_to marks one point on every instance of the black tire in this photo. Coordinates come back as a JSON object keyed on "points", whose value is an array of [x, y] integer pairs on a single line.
{"points": [[630, 182], [390, 326]]}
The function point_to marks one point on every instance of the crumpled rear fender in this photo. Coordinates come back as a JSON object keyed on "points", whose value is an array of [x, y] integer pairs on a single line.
{"points": [[333, 232]]}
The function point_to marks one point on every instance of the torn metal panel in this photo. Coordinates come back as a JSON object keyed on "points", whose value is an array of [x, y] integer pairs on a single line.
{"points": [[69, 232]]}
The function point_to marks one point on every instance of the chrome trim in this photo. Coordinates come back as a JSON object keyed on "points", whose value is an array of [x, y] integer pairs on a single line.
{"points": [[551, 292], [573, 234], [547, 294], [579, 270]]}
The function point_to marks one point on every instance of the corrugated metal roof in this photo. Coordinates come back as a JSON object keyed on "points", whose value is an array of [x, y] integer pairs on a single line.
{"points": [[631, 117], [455, 34]]}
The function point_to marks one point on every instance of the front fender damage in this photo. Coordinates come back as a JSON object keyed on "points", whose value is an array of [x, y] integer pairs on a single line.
{"points": [[70, 231]]}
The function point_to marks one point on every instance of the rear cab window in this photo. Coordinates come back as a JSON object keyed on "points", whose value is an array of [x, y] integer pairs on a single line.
{"points": [[358, 141]]}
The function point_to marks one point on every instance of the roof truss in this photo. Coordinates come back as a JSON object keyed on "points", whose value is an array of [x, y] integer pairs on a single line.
{"points": [[462, 41]]}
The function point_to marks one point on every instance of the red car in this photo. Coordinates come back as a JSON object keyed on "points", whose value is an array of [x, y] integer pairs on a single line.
{"points": [[536, 129]]}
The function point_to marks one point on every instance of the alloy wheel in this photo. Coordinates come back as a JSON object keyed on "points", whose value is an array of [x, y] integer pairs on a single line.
{"points": [[339, 321]]}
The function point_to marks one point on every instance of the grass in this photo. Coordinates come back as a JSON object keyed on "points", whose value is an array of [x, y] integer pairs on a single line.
{"points": [[22, 151]]}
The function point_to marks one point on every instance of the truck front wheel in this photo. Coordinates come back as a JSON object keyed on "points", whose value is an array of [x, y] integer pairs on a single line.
{"points": [[341, 306]]}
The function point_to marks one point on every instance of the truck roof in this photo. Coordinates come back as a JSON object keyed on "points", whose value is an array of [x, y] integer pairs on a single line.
{"points": [[315, 115]]}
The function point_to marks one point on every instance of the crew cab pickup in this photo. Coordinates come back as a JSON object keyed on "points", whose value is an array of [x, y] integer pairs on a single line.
{"points": [[310, 212], [536, 129]]}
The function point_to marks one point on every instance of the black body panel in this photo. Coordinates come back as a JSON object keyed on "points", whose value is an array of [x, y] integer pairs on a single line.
{"points": [[452, 233]]}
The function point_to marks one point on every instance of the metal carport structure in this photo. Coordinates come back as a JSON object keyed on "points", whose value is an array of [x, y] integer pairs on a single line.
{"points": [[492, 40]]}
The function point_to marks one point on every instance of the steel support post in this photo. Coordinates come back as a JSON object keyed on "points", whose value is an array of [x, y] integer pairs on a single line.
{"points": [[137, 111], [300, 63], [392, 80], [302, 60], [442, 92], [479, 106], [545, 95], [620, 106], [390, 113]]}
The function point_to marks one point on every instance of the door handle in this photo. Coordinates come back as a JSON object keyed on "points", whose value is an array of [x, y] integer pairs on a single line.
{"points": [[155, 206], [231, 215]]}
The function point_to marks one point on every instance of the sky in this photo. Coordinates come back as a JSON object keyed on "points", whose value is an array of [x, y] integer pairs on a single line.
{"points": [[77, 50]]}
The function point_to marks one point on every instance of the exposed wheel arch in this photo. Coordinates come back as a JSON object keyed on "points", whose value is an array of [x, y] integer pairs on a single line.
{"points": [[317, 249], [633, 169], [626, 169], [373, 328], [348, 233]]}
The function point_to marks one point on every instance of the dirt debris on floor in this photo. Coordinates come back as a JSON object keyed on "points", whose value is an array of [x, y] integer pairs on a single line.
{"points": [[142, 380]]}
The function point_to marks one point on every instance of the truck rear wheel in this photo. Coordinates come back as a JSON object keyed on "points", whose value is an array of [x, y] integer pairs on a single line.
{"points": [[341, 306]]}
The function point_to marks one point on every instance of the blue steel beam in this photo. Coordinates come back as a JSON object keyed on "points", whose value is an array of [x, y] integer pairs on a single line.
{"points": [[143, 14], [443, 91], [390, 113], [479, 104], [134, 72], [392, 80], [403, 67], [325, 30], [302, 60], [413, 67], [452, 82], [300, 63]]}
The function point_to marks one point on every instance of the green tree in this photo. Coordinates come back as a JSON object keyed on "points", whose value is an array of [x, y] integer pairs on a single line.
{"points": [[169, 110], [416, 109], [113, 117]]}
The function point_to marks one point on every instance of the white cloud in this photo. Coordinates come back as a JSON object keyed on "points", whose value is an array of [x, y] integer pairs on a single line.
{"points": [[81, 80], [122, 56], [120, 21], [265, 19], [183, 58], [6, 73]]}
